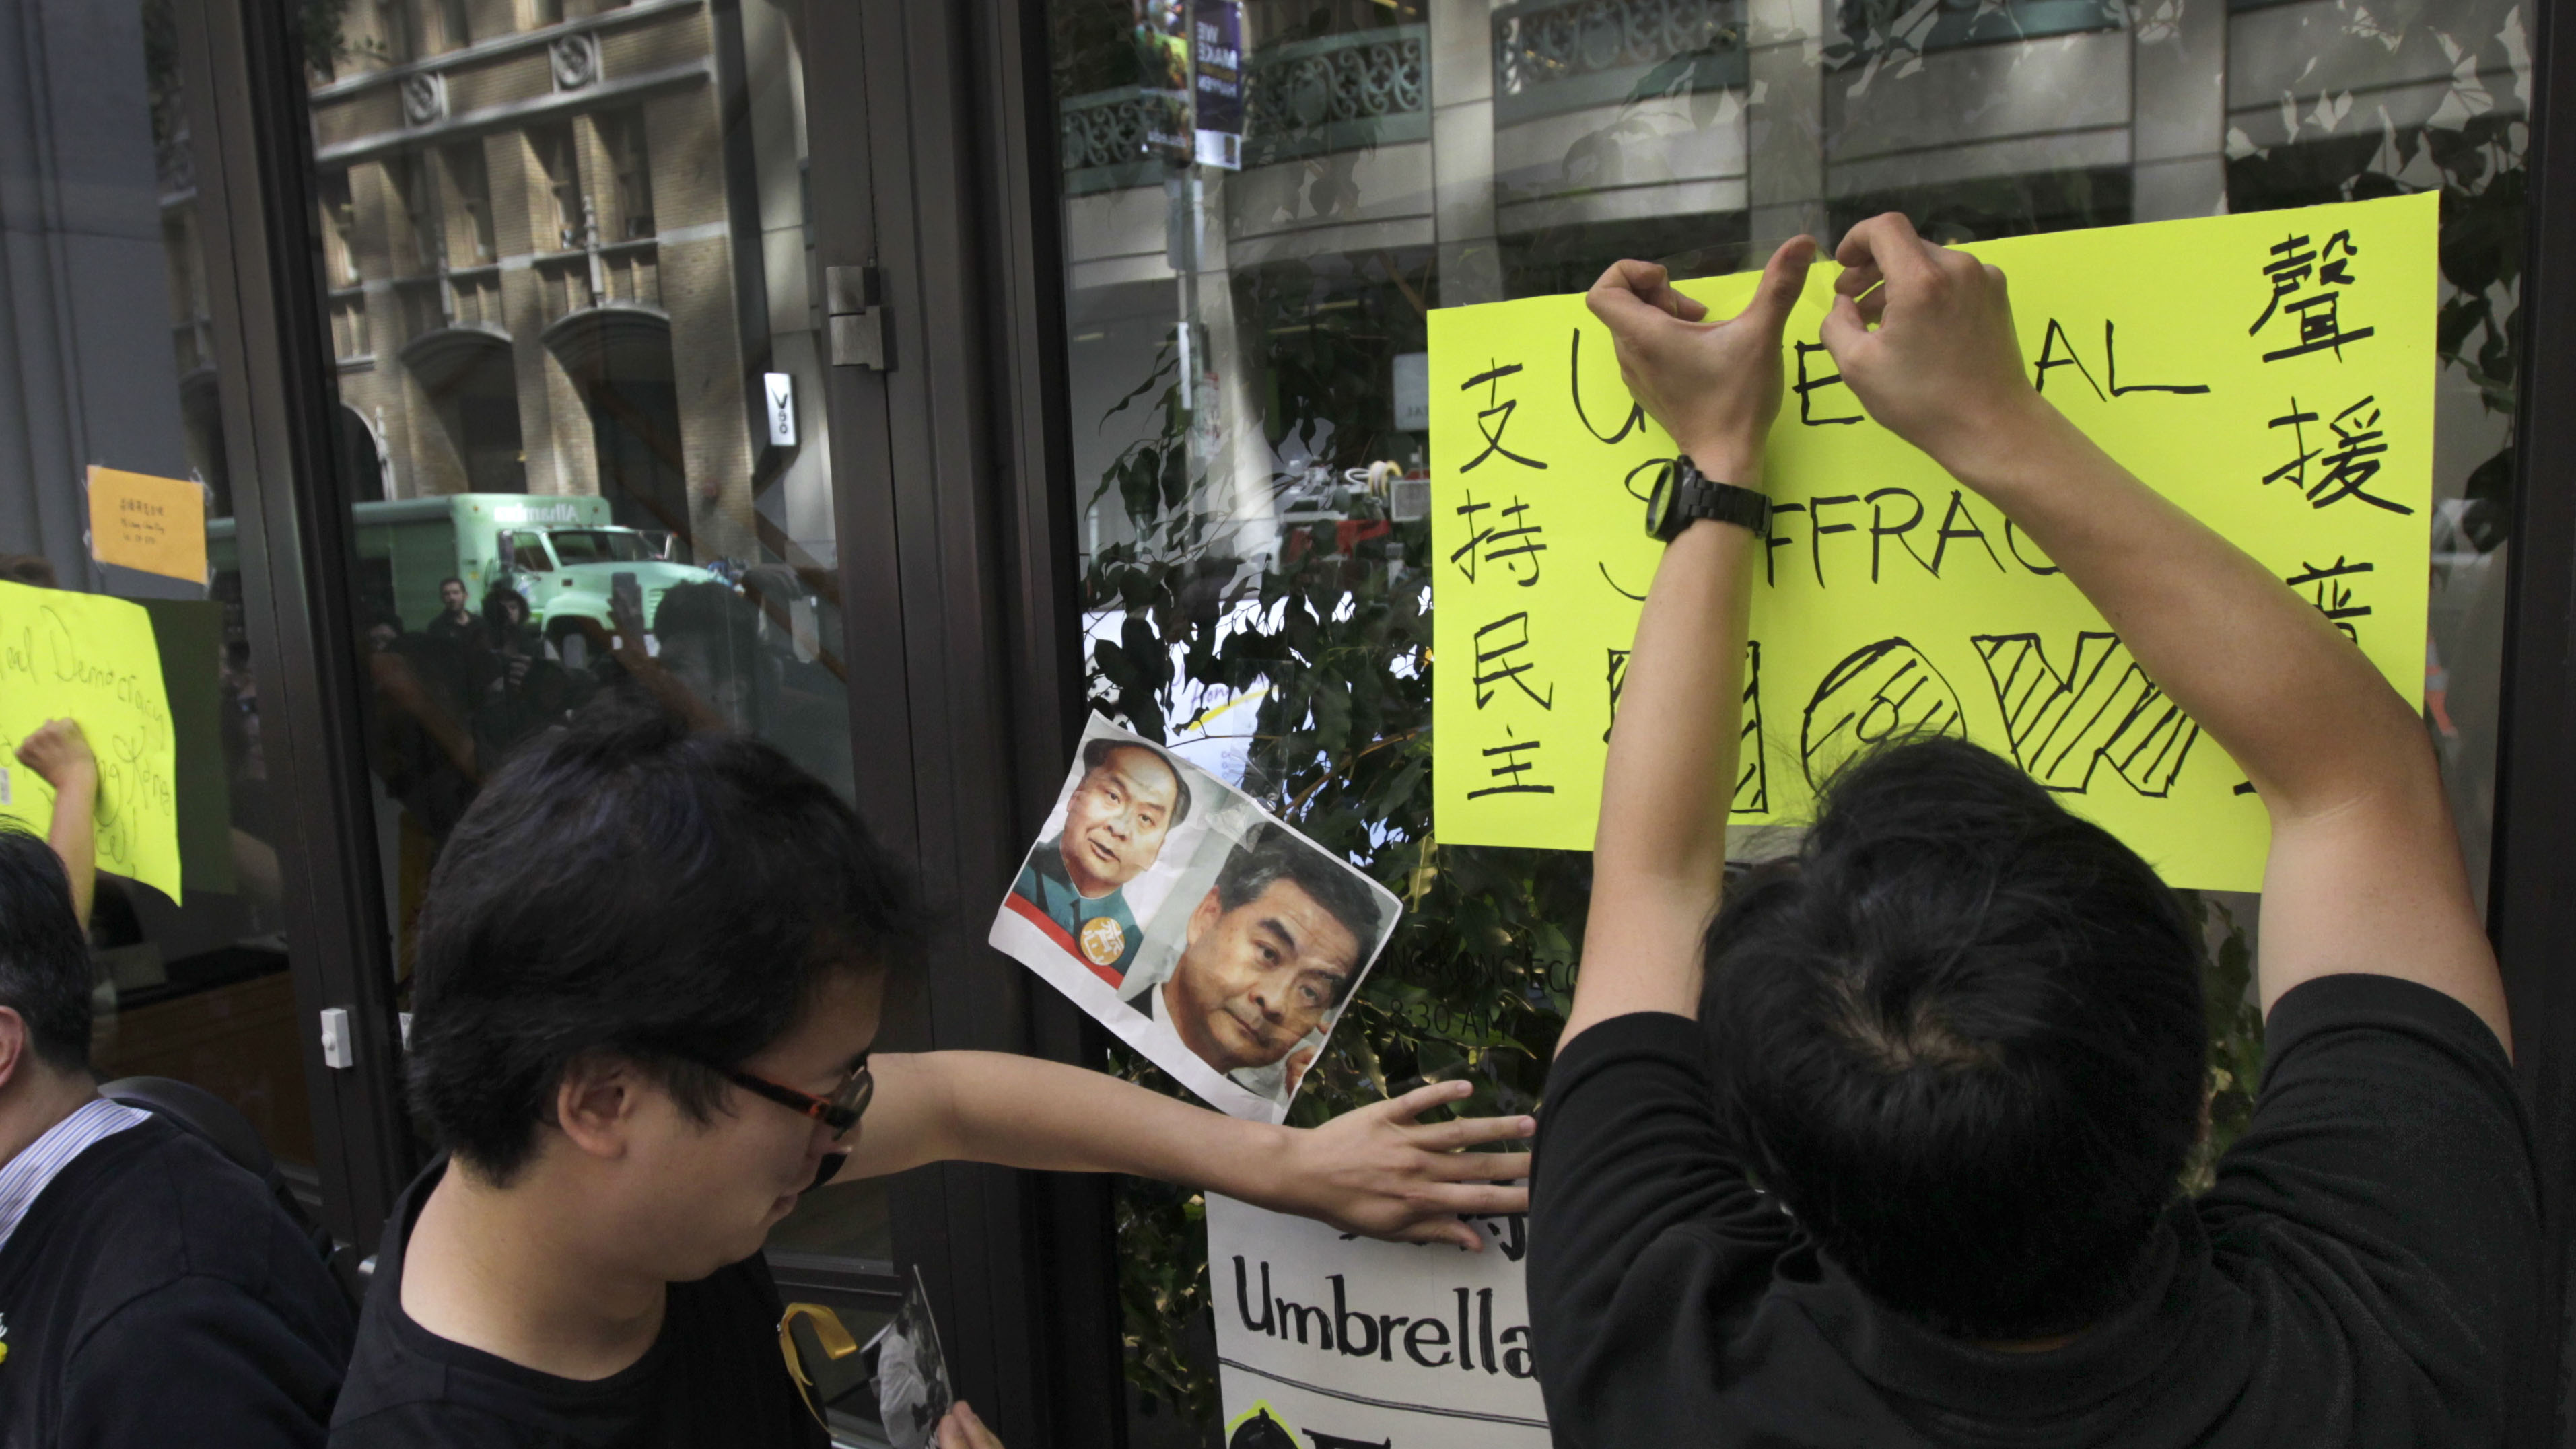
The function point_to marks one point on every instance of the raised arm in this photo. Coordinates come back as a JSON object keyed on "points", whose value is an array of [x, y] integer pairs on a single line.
{"points": [[1659, 857], [1372, 1171], [2364, 872], [59, 752]]}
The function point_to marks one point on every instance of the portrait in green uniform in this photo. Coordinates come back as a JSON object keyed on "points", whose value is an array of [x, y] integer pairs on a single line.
{"points": [[1074, 886]]}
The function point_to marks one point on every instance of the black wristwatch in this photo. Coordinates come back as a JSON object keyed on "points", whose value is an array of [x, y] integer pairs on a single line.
{"points": [[1683, 493]]}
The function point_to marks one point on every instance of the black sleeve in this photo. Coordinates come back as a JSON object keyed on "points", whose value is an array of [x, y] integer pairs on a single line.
{"points": [[2388, 1178], [1628, 1149], [201, 1361]]}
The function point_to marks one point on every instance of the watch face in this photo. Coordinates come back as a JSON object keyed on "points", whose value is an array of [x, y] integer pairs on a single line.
{"points": [[1659, 504]]}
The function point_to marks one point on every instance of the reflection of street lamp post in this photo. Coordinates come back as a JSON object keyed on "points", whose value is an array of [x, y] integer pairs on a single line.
{"points": [[589, 241]]}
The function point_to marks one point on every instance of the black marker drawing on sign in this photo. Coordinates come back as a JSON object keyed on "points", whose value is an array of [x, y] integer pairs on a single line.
{"points": [[1661, 467], [1959, 509], [2352, 462], [1318, 1439], [2245, 787], [1777, 538], [1616, 587], [1752, 772], [1464, 555], [1817, 528], [1618, 680], [1496, 416], [1493, 647], [1574, 374], [2103, 709], [2317, 314], [1806, 386], [2048, 358], [2012, 542], [2333, 596], [1510, 765], [2111, 367], [1879, 692], [1879, 531]]}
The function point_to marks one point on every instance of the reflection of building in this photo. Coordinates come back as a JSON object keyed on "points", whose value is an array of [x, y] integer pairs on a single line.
{"points": [[552, 268], [1436, 152]]}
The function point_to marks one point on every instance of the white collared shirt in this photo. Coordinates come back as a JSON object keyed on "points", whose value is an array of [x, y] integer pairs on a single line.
{"points": [[25, 1177]]}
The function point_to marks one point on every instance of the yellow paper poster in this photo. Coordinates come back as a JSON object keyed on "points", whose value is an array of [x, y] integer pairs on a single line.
{"points": [[2272, 373], [92, 658], [142, 522]]}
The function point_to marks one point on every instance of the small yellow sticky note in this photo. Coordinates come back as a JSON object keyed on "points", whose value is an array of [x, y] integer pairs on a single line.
{"points": [[2271, 372], [91, 658], [157, 525]]}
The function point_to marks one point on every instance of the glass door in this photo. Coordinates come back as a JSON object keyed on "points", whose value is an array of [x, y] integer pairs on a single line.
{"points": [[580, 345], [1244, 328]]}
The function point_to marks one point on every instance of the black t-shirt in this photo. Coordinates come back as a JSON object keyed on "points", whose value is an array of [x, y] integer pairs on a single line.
{"points": [[154, 1294], [2364, 1271], [713, 1376]]}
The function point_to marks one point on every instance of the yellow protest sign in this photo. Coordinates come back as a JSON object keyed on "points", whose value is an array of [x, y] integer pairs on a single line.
{"points": [[92, 658], [157, 525], [2272, 373]]}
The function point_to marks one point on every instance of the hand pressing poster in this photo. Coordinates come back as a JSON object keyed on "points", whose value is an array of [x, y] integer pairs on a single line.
{"points": [[1182, 916]]}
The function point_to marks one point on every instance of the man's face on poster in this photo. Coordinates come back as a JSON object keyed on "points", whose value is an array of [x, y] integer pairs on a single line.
{"points": [[1253, 981], [1115, 823]]}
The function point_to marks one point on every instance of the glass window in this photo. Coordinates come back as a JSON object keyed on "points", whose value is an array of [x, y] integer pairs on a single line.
{"points": [[1244, 352], [562, 403], [191, 976]]}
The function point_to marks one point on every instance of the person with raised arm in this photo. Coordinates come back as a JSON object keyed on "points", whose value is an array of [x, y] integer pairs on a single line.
{"points": [[651, 969], [1885, 1147]]}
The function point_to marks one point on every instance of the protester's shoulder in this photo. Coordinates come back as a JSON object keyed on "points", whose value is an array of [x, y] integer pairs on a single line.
{"points": [[173, 1206], [2354, 1036]]}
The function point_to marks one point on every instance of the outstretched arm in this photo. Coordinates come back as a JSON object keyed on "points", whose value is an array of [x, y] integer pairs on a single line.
{"points": [[1372, 1171], [1659, 857], [59, 752], [2364, 872]]}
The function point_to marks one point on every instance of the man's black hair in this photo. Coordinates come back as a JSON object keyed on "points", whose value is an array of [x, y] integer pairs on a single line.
{"points": [[1272, 855], [44, 957], [1098, 752], [1961, 1035], [494, 600], [630, 888], [450, 579]]}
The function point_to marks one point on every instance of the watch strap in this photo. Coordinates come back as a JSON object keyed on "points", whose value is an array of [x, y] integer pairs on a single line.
{"points": [[1696, 495]]}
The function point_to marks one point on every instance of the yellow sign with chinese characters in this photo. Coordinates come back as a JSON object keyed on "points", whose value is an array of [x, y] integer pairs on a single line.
{"points": [[2272, 373], [142, 522], [91, 658]]}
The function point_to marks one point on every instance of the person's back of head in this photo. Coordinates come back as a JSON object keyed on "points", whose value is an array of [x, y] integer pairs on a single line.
{"points": [[44, 955], [632, 889], [1961, 1035]]}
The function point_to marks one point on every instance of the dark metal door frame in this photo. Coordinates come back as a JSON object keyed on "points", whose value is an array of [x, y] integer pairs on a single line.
{"points": [[2532, 912], [242, 67]]}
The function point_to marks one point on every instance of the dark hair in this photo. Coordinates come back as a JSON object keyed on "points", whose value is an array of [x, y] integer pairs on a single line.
{"points": [[44, 957], [499, 595], [1961, 1035], [627, 887], [451, 579], [1098, 752], [1272, 855]]}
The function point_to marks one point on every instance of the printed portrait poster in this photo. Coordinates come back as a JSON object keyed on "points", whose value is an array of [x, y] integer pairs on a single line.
{"points": [[1184, 917], [1327, 1341]]}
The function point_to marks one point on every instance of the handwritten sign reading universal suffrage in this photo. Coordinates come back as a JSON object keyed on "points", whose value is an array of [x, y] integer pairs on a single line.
{"points": [[92, 659], [2272, 373]]}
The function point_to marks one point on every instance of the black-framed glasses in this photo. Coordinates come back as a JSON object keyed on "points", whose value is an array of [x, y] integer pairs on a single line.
{"points": [[839, 1111]]}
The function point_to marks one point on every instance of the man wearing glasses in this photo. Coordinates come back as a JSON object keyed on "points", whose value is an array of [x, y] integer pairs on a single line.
{"points": [[649, 973]]}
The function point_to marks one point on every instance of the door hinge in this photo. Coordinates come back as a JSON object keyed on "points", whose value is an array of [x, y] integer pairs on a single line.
{"points": [[857, 319]]}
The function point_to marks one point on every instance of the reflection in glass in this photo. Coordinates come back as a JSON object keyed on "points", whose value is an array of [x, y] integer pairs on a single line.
{"points": [[562, 258], [1248, 392]]}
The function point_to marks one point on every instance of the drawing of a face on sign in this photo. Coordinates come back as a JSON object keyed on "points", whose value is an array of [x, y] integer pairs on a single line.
{"points": [[1174, 909]]}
